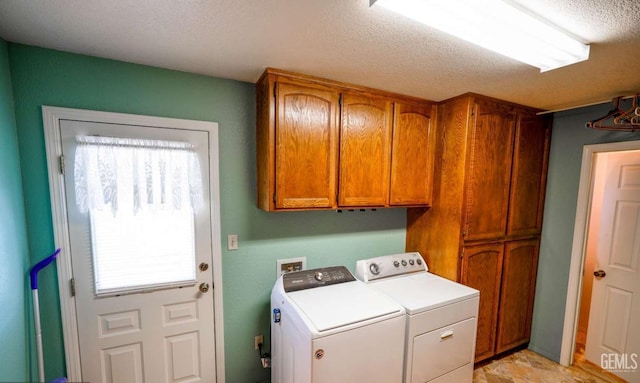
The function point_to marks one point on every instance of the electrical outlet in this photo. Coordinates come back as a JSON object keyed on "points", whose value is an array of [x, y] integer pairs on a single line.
{"points": [[232, 242], [284, 266], [258, 339]]}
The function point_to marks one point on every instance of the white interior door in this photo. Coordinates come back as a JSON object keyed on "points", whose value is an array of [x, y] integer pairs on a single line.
{"points": [[153, 330], [612, 338]]}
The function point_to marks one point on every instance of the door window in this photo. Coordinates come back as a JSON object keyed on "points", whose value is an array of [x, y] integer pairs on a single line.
{"points": [[140, 195]]}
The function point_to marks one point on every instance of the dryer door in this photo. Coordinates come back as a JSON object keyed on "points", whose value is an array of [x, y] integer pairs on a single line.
{"points": [[372, 354], [441, 351]]}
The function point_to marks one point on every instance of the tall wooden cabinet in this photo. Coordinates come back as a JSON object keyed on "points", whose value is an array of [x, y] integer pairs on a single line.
{"points": [[483, 228], [322, 144]]}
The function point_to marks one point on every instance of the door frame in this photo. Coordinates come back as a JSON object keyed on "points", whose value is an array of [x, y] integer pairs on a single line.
{"points": [[51, 117], [579, 247]]}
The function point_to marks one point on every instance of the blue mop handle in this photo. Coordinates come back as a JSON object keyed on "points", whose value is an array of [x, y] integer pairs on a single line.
{"points": [[33, 274]]}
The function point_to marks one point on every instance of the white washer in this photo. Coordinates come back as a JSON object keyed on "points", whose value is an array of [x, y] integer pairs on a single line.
{"points": [[329, 327], [441, 317]]}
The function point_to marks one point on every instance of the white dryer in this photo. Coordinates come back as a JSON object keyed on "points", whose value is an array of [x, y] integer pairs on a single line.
{"points": [[441, 317], [329, 327]]}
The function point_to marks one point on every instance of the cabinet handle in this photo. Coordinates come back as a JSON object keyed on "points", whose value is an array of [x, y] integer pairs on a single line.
{"points": [[446, 334]]}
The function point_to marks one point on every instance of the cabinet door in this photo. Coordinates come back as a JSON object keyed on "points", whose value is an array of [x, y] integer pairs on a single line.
{"points": [[306, 137], [365, 135], [528, 180], [517, 294], [489, 171], [481, 269], [411, 155]]}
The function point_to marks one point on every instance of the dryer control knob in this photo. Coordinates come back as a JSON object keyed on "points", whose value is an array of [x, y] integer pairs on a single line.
{"points": [[396, 263], [319, 276], [419, 261], [404, 263], [375, 269]]}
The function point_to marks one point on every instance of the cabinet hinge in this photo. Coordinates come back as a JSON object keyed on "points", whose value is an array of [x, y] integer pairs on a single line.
{"points": [[473, 111], [61, 164], [274, 197], [72, 286]]}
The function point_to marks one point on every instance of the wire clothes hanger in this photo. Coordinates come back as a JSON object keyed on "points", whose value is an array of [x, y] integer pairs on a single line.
{"points": [[627, 117], [619, 119]]}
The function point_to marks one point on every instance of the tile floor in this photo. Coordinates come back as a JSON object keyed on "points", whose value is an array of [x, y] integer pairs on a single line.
{"points": [[526, 366]]}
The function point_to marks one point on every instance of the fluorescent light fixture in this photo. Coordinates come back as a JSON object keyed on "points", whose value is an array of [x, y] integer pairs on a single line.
{"points": [[498, 26]]}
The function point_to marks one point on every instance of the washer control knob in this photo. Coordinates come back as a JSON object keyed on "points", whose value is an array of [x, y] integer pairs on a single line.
{"points": [[404, 263], [396, 263], [374, 268], [419, 261], [319, 276], [411, 262]]}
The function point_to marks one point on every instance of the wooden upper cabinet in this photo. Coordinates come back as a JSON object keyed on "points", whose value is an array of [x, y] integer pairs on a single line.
{"points": [[365, 144], [528, 180], [517, 295], [481, 269], [306, 138], [412, 155], [489, 171], [323, 144]]}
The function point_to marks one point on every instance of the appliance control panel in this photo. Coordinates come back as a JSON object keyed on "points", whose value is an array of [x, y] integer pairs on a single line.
{"points": [[389, 266], [309, 279]]}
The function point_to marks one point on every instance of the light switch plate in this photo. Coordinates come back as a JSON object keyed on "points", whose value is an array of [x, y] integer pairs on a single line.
{"points": [[232, 242]]}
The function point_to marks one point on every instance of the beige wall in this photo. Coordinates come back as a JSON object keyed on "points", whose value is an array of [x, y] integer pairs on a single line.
{"points": [[592, 247]]}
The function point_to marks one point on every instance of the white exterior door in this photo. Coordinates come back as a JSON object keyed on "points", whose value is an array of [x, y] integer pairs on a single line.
{"points": [[613, 340], [158, 332]]}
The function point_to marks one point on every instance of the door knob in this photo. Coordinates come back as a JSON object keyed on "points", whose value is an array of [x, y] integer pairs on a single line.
{"points": [[599, 274], [203, 266], [204, 287]]}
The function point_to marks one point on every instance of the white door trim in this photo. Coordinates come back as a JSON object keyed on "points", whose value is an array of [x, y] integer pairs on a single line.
{"points": [[578, 250], [51, 120]]}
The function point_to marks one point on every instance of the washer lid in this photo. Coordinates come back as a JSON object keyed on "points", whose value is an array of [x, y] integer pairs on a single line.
{"points": [[343, 304], [424, 291]]}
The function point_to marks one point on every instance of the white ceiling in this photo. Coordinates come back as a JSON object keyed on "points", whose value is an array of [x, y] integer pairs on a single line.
{"points": [[343, 40]]}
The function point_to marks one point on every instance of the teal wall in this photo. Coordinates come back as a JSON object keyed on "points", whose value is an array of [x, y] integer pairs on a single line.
{"points": [[13, 239], [47, 77], [567, 141]]}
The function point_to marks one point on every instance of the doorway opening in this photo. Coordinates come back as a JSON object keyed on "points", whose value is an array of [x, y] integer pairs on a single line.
{"points": [[590, 253], [587, 232]]}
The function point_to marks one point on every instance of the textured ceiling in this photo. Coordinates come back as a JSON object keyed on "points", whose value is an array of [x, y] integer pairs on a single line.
{"points": [[343, 40]]}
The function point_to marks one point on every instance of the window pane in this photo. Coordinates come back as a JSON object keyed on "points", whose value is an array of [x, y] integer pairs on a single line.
{"points": [[152, 248]]}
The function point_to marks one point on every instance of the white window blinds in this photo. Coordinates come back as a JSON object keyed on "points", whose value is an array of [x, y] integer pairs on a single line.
{"points": [[147, 250]]}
